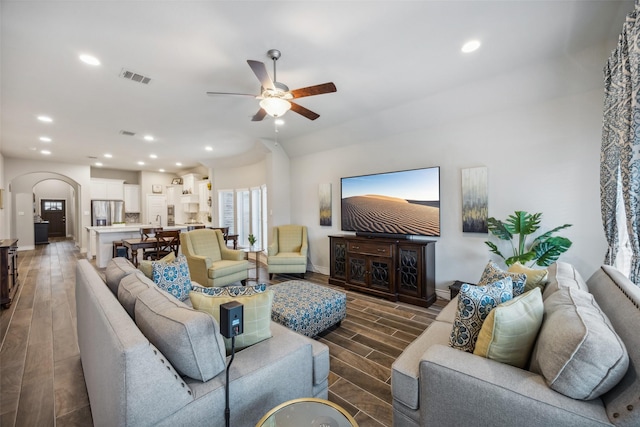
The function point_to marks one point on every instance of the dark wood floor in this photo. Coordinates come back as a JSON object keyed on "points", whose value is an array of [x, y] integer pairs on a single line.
{"points": [[41, 379]]}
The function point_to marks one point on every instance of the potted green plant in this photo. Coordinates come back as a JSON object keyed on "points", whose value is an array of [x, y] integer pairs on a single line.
{"points": [[544, 250], [252, 240]]}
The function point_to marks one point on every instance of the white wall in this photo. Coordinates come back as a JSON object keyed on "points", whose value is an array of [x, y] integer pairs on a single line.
{"points": [[4, 216], [540, 158], [23, 175]]}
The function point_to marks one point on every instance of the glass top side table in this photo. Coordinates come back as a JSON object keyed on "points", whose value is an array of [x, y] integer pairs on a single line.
{"points": [[310, 412]]}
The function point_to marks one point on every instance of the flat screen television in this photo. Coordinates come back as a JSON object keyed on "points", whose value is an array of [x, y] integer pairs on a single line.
{"points": [[399, 204]]}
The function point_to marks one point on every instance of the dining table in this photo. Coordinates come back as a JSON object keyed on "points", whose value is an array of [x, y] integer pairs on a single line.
{"points": [[134, 244]]}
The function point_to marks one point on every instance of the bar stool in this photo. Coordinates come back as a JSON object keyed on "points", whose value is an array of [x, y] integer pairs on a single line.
{"points": [[119, 250]]}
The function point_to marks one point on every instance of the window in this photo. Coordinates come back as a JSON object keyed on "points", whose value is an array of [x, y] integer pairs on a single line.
{"points": [[242, 210], [51, 205]]}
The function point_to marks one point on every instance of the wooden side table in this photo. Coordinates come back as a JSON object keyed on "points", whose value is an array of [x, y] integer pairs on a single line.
{"points": [[454, 288], [257, 252]]}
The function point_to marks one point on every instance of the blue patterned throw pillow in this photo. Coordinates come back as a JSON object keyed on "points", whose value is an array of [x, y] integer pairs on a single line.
{"points": [[492, 273], [230, 291], [173, 277], [474, 305]]}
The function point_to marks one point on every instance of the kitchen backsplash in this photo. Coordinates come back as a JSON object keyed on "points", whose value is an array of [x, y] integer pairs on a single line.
{"points": [[132, 218]]}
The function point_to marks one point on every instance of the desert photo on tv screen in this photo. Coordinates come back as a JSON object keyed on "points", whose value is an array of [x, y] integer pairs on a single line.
{"points": [[405, 202]]}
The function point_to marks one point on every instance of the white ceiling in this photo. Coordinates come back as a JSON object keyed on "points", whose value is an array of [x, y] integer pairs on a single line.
{"points": [[397, 65]]}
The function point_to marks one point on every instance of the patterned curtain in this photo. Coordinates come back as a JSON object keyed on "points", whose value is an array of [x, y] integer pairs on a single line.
{"points": [[620, 152]]}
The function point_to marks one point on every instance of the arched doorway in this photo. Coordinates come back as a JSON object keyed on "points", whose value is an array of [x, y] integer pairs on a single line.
{"points": [[27, 191]]}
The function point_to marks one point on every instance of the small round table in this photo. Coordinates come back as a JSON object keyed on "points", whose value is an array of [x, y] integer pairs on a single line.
{"points": [[310, 412]]}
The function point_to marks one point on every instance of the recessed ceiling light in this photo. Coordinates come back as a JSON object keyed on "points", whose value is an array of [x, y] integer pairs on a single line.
{"points": [[45, 152], [470, 46], [45, 119], [208, 148], [108, 155], [153, 156], [178, 164], [98, 164], [45, 139], [141, 163], [279, 122], [88, 59], [160, 170], [148, 138]]}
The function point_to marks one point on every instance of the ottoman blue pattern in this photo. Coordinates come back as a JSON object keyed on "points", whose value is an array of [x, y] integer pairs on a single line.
{"points": [[307, 308]]}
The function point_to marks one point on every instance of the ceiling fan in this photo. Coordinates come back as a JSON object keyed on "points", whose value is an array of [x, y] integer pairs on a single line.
{"points": [[275, 97]]}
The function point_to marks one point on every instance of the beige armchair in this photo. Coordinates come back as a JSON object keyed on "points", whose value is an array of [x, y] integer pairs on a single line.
{"points": [[287, 253], [211, 263]]}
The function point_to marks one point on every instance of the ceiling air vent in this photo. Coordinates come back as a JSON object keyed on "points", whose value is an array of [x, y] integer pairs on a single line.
{"points": [[127, 133], [131, 75]]}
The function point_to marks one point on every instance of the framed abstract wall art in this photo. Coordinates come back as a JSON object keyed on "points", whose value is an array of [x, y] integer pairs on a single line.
{"points": [[475, 200], [324, 199]]}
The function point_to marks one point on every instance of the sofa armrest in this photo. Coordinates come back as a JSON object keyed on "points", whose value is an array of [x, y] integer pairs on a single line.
{"points": [[232, 254], [272, 249], [199, 268], [460, 387]]}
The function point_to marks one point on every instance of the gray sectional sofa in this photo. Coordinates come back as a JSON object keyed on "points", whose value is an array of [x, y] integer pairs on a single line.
{"points": [[435, 384], [131, 382]]}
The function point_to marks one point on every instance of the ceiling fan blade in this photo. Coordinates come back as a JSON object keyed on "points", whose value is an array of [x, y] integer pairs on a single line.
{"points": [[261, 114], [314, 90], [304, 111], [260, 70], [231, 93]]}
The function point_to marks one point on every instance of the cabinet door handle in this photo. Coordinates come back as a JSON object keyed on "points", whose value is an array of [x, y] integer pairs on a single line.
{"points": [[382, 250], [356, 247]]}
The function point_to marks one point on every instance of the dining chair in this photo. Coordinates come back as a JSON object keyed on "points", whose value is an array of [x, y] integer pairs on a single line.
{"points": [[148, 233]]}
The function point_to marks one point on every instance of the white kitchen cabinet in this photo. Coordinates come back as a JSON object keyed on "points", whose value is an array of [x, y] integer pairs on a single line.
{"points": [[107, 189], [189, 182], [203, 195], [131, 198]]}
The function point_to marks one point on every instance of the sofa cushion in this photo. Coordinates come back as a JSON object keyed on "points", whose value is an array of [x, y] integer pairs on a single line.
{"points": [[561, 276], [448, 313], [257, 314], [578, 352], [222, 268], [536, 277], [190, 339], [146, 267], [173, 277], [130, 287], [116, 269], [492, 273], [474, 305], [510, 330]]}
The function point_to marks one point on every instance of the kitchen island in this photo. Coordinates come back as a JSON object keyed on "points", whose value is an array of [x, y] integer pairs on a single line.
{"points": [[101, 239]]}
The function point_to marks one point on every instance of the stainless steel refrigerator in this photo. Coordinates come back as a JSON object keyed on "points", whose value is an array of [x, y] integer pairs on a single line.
{"points": [[106, 212]]}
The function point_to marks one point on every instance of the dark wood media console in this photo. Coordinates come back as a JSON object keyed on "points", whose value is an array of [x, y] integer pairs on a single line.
{"points": [[396, 269], [8, 271]]}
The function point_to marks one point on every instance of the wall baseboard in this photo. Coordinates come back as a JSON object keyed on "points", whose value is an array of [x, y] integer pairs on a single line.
{"points": [[443, 293]]}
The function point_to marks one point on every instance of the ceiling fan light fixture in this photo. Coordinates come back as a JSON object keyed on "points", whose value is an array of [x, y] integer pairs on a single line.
{"points": [[275, 107]]}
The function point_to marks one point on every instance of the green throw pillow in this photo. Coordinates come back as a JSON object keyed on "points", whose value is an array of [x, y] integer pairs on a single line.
{"points": [[510, 330], [257, 314], [146, 267]]}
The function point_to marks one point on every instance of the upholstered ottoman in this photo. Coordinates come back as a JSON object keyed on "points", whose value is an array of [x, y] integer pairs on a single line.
{"points": [[307, 308]]}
